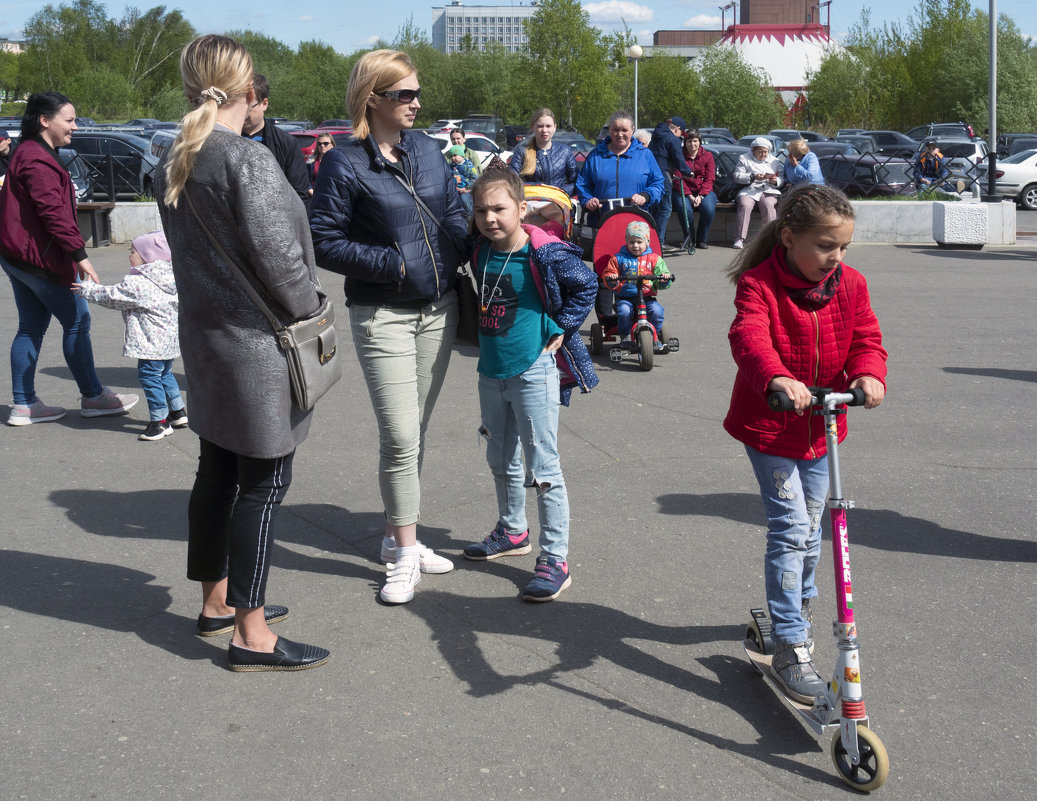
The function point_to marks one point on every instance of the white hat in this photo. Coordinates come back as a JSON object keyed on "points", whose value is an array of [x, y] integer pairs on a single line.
{"points": [[761, 141]]}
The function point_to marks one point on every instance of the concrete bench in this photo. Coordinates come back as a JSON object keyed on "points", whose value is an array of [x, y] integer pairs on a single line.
{"points": [[98, 215]]}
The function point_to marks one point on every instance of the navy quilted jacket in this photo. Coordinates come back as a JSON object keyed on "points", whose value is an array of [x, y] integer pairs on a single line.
{"points": [[774, 336], [555, 166], [567, 288], [367, 226]]}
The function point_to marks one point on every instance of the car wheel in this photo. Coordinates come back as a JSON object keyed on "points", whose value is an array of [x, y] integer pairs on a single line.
{"points": [[1028, 197]]}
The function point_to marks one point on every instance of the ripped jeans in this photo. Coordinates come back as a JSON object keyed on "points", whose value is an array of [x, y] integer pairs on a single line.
{"points": [[794, 492], [520, 418]]}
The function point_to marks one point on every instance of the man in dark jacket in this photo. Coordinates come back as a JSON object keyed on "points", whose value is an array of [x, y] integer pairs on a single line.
{"points": [[666, 147], [281, 143]]}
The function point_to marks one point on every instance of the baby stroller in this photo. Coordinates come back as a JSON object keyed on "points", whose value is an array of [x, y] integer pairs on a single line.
{"points": [[610, 237], [548, 207]]}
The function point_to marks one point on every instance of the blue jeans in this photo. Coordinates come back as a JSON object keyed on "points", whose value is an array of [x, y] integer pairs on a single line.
{"points": [[625, 315], [160, 387], [37, 300], [661, 212], [520, 418], [794, 492], [403, 353], [707, 210]]}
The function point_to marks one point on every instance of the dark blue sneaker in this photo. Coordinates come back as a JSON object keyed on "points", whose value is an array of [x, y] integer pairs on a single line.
{"points": [[550, 577], [499, 543]]}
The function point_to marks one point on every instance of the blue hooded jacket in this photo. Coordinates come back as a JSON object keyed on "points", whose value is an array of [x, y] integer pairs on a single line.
{"points": [[606, 175]]}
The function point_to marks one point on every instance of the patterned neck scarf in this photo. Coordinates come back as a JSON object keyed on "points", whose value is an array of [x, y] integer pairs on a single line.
{"points": [[803, 293]]}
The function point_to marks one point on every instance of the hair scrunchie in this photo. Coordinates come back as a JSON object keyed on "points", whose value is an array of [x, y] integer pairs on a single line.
{"points": [[212, 93]]}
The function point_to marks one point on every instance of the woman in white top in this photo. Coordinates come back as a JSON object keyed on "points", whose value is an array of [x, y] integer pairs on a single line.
{"points": [[761, 176]]}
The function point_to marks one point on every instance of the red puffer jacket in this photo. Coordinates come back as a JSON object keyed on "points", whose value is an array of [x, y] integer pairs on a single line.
{"points": [[38, 228], [773, 336]]}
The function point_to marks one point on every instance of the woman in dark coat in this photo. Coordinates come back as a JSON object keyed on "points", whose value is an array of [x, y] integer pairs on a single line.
{"points": [[539, 161], [241, 405], [386, 215]]}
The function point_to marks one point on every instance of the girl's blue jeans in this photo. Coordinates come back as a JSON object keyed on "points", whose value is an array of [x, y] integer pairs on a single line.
{"points": [[707, 210], [520, 419], [793, 492], [160, 387], [37, 300], [625, 315]]}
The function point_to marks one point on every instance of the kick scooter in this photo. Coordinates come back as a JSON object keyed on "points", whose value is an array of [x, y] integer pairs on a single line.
{"points": [[858, 754]]}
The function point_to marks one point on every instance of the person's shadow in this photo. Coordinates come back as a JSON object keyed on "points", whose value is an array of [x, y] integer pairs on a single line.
{"points": [[872, 528]]}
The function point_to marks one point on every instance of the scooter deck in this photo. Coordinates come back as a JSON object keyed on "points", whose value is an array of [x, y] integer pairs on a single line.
{"points": [[762, 664]]}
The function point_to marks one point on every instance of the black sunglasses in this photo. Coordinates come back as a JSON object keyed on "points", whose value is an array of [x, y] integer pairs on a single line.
{"points": [[325, 144], [401, 95]]}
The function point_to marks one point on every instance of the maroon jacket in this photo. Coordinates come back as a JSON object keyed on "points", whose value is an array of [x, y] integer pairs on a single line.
{"points": [[772, 336], [38, 228], [704, 171]]}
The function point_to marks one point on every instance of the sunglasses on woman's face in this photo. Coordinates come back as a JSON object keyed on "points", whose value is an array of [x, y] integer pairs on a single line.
{"points": [[401, 95], [325, 144]]}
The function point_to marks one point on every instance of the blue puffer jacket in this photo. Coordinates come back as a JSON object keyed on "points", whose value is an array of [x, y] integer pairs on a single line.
{"points": [[367, 226], [606, 175], [555, 166], [567, 288]]}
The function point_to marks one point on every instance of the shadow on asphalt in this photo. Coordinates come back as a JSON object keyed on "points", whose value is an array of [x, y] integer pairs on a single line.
{"points": [[585, 634], [994, 372], [1000, 253], [872, 528]]}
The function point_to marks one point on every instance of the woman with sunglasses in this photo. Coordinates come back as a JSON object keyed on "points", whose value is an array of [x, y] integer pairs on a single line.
{"points": [[386, 215], [321, 147]]}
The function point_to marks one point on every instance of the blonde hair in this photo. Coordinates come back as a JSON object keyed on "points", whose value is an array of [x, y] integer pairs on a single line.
{"points": [[374, 72], [799, 148], [529, 160], [222, 69], [805, 207]]}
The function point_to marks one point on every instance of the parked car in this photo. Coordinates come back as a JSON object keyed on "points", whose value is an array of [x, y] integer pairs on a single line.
{"points": [[1015, 177], [307, 140], [716, 139], [778, 148], [833, 148], [725, 157], [863, 142], [849, 132], [955, 129], [719, 132], [867, 176], [343, 124], [513, 134], [145, 122], [788, 134], [161, 141], [960, 153], [574, 141], [485, 147], [79, 171], [1022, 143], [291, 125], [443, 125], [486, 124], [893, 143], [132, 160]]}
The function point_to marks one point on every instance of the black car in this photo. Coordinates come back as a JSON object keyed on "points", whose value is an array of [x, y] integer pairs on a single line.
{"points": [[129, 157], [726, 132], [488, 125], [789, 134], [867, 176], [861, 141], [956, 130], [514, 134], [725, 157], [834, 148], [893, 143]]}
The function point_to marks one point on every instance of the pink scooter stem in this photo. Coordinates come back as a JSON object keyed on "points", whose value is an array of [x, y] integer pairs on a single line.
{"points": [[841, 558]]}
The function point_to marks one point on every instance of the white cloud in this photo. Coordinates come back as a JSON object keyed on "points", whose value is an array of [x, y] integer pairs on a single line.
{"points": [[370, 40], [306, 18], [702, 22], [618, 11]]}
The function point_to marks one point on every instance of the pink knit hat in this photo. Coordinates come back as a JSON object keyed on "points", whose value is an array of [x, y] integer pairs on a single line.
{"points": [[152, 247]]}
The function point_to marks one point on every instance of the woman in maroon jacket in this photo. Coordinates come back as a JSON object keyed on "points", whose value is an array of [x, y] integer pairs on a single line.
{"points": [[696, 192], [43, 253], [803, 318]]}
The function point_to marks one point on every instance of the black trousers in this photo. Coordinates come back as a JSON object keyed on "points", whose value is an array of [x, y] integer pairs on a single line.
{"points": [[231, 514]]}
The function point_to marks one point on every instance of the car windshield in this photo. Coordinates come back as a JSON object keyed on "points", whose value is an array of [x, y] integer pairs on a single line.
{"points": [[482, 145], [481, 126], [139, 141], [895, 173], [1017, 158]]}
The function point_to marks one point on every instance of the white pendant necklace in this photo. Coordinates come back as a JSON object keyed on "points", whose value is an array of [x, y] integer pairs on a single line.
{"points": [[485, 299]]}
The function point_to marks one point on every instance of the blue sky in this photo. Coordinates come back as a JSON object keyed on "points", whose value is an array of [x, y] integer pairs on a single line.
{"points": [[352, 25]]}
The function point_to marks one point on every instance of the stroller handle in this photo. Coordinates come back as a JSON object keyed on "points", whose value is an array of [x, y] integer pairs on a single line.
{"points": [[820, 396]]}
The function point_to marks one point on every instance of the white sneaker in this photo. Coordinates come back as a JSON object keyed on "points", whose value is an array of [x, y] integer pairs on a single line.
{"points": [[107, 403], [37, 412], [400, 580], [429, 561], [739, 244]]}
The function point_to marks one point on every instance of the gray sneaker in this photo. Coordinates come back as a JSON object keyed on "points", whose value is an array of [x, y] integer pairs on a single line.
{"points": [[794, 671], [107, 403], [36, 412]]}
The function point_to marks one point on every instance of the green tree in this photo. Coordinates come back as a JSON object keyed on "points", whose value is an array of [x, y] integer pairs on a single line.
{"points": [[667, 86], [149, 45], [65, 42], [315, 88], [735, 94]]}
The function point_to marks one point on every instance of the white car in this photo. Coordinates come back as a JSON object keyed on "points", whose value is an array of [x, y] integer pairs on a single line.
{"points": [[485, 147], [1016, 177], [443, 126]]}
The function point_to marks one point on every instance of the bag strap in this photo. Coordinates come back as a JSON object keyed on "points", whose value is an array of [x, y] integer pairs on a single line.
{"points": [[418, 200], [234, 268]]}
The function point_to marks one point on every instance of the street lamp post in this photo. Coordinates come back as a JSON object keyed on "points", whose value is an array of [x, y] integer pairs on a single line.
{"points": [[635, 52]]}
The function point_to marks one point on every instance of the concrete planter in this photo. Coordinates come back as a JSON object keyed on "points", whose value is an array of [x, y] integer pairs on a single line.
{"points": [[960, 225], [130, 220]]}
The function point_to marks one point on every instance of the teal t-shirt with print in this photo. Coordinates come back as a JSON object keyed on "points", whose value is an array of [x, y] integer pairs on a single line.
{"points": [[513, 326]]}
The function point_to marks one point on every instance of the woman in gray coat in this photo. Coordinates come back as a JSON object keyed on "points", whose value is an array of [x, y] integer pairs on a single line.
{"points": [[241, 405]]}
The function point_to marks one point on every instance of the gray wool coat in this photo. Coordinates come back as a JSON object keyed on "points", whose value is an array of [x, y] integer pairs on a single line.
{"points": [[237, 375]]}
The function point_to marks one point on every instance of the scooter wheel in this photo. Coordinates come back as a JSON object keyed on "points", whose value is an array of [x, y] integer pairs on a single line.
{"points": [[645, 348], [597, 339], [873, 769]]}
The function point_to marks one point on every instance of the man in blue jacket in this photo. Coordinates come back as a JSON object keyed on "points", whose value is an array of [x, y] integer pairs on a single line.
{"points": [[666, 147]]}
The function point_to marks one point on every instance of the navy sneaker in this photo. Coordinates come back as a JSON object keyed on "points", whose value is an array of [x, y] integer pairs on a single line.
{"points": [[499, 543], [550, 577]]}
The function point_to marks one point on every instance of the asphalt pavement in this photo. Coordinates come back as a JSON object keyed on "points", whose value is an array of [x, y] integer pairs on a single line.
{"points": [[633, 685]]}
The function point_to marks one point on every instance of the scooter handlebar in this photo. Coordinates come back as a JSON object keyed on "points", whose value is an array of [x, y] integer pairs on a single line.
{"points": [[780, 402]]}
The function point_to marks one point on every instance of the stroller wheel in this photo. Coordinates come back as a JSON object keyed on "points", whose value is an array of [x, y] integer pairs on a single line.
{"points": [[597, 339]]}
